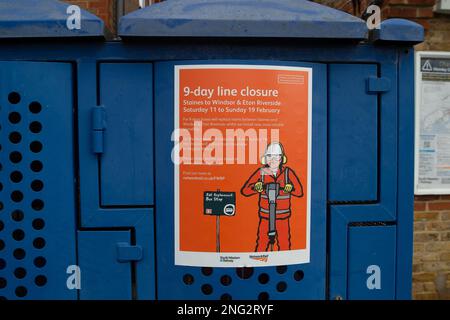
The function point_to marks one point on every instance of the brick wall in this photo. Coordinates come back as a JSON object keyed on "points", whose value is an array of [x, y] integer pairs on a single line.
{"points": [[356, 8], [105, 9], [101, 8], [431, 266], [438, 35]]}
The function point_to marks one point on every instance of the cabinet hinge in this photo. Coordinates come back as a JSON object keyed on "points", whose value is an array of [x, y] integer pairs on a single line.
{"points": [[98, 129]]}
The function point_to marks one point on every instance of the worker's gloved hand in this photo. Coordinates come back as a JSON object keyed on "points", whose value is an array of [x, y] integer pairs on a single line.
{"points": [[288, 188], [259, 187]]}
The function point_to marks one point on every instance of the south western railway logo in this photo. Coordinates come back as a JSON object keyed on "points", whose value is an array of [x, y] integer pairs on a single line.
{"points": [[262, 258]]}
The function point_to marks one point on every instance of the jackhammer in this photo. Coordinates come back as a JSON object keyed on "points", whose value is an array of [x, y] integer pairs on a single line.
{"points": [[272, 192]]}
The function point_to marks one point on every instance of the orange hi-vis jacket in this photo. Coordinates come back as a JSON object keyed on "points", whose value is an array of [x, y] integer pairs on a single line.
{"points": [[266, 176]]}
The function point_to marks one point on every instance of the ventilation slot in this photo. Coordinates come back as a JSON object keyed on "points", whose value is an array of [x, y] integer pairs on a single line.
{"points": [[372, 224], [350, 202]]}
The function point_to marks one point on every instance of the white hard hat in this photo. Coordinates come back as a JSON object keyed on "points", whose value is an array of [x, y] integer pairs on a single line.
{"points": [[275, 148]]}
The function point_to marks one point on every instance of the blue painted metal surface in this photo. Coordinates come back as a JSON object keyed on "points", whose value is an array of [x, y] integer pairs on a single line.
{"points": [[353, 125], [103, 276], [37, 194], [376, 85], [98, 129], [44, 19], [126, 94], [170, 277], [242, 18], [371, 263], [398, 30]]}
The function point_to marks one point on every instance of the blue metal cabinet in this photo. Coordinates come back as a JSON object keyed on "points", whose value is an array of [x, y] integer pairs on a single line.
{"points": [[81, 183]]}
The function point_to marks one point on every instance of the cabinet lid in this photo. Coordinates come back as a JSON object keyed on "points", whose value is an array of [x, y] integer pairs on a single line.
{"points": [[242, 18], [46, 19]]}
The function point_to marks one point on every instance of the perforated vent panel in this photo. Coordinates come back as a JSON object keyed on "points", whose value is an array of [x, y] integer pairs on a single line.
{"points": [[23, 179], [36, 202], [282, 282]]}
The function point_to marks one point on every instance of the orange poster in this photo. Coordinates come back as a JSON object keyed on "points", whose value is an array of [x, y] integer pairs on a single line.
{"points": [[242, 165]]}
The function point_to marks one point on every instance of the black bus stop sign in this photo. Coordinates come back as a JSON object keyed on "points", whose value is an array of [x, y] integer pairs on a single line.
{"points": [[217, 203]]}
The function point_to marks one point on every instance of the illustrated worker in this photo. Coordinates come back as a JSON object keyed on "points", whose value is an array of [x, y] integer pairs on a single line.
{"points": [[275, 183]]}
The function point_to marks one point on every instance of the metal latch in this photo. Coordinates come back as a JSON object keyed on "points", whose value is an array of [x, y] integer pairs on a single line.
{"points": [[376, 85], [127, 252], [98, 128]]}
